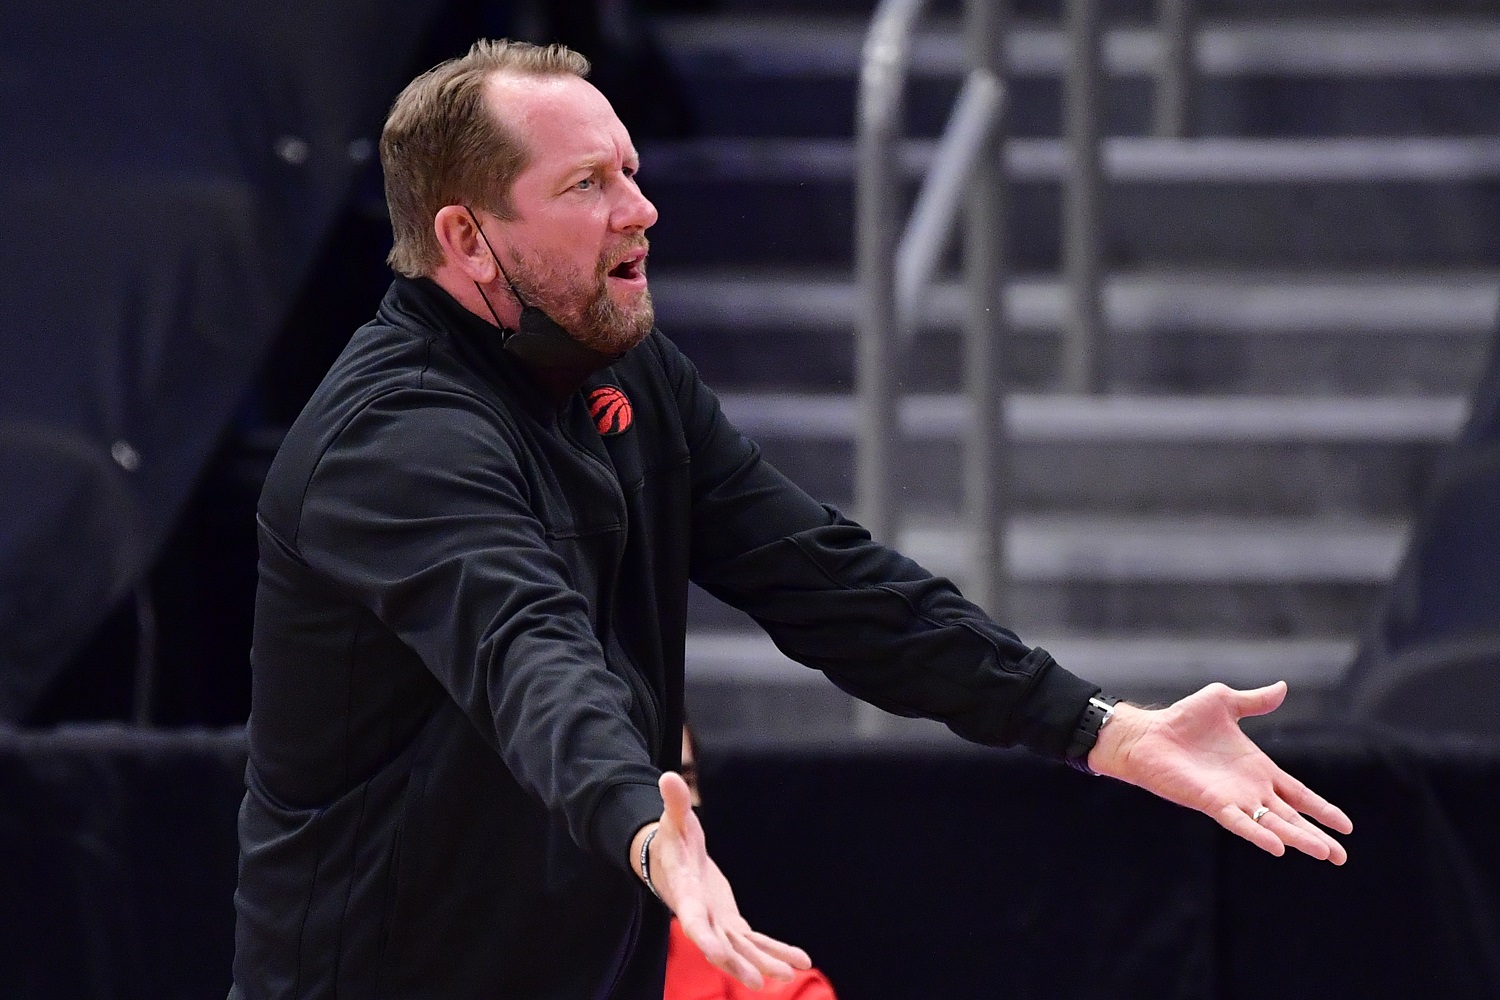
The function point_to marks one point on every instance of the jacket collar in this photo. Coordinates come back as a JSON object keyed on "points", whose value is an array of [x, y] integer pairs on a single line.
{"points": [[551, 369]]}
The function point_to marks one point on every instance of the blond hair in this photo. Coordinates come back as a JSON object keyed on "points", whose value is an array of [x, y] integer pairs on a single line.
{"points": [[442, 146]]}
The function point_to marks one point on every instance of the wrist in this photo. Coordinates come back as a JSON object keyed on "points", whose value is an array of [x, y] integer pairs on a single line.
{"points": [[636, 843], [1097, 713], [641, 855], [1112, 748]]}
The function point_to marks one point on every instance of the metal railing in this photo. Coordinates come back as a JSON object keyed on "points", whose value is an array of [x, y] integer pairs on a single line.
{"points": [[895, 270], [967, 182]]}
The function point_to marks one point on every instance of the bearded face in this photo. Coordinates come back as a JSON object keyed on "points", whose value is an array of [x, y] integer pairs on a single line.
{"points": [[608, 310]]}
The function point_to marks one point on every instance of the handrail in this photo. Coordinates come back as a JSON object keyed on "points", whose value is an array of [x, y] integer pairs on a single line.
{"points": [[930, 229], [887, 52], [1174, 82], [1086, 339], [965, 182]]}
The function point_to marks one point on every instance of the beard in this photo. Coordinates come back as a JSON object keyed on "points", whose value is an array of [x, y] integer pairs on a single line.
{"points": [[584, 308]]}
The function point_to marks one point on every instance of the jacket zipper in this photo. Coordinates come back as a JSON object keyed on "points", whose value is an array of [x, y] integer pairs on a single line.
{"points": [[637, 683]]}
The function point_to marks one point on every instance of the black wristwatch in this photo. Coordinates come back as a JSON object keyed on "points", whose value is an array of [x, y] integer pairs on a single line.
{"points": [[1095, 715]]}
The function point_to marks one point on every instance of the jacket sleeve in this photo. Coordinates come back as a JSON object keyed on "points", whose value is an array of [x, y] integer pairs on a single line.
{"points": [[879, 625], [420, 513]]}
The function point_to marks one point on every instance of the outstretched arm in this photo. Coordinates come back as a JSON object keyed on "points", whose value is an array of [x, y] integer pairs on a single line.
{"points": [[694, 888], [1193, 753]]}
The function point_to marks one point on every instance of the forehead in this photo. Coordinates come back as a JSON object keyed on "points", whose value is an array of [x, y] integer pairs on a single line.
{"points": [[563, 120]]}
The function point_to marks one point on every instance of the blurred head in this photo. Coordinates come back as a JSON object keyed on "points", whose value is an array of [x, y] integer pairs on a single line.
{"points": [[506, 169], [689, 769]]}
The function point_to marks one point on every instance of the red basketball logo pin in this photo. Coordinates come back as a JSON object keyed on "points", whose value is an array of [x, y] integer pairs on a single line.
{"points": [[610, 410]]}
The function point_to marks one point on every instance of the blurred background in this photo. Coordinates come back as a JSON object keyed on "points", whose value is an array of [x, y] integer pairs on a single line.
{"points": [[1165, 327]]}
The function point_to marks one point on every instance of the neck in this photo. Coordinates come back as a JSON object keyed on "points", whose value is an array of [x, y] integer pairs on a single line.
{"points": [[550, 355]]}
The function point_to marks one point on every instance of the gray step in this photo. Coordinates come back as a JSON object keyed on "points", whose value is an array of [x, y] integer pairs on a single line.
{"points": [[1234, 456], [1185, 332], [1145, 10], [1188, 577], [1171, 549], [1332, 204], [1114, 662], [824, 46], [795, 76], [738, 682], [1121, 419]]}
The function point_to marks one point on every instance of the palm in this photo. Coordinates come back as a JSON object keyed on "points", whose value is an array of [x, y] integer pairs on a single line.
{"points": [[692, 885], [1194, 753]]}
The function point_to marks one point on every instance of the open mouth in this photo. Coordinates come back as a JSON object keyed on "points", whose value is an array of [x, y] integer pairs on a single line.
{"points": [[630, 268]]}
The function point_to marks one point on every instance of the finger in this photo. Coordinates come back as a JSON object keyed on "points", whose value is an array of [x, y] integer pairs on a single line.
{"points": [[1329, 850], [1261, 700], [766, 963], [1305, 800], [676, 798], [1296, 837], [716, 947], [788, 953], [1238, 822]]}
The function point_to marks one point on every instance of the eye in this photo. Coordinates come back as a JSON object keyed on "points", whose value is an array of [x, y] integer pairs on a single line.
{"points": [[587, 184]]}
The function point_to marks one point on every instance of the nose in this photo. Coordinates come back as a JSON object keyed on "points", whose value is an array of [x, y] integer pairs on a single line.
{"points": [[634, 211]]}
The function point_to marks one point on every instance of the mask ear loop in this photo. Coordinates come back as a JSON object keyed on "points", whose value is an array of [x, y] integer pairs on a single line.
{"points": [[496, 258]]}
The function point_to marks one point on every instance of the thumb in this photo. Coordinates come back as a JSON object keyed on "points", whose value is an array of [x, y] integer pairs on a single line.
{"points": [[676, 797], [1261, 700]]}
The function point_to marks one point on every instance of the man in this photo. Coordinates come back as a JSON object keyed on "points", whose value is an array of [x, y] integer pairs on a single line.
{"points": [[476, 542]]}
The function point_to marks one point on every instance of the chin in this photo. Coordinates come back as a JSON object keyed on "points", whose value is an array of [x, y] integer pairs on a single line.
{"points": [[610, 329], [618, 341]]}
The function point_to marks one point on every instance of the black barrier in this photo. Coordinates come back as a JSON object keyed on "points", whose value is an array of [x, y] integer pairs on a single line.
{"points": [[119, 853], [909, 873], [961, 873]]}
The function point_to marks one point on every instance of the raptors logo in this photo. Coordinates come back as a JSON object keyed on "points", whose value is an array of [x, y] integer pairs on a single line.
{"points": [[610, 410]]}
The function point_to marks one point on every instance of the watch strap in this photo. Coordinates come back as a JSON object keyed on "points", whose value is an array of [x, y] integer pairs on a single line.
{"points": [[1096, 715]]}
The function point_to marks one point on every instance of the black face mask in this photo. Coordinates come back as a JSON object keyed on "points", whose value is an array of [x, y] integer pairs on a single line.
{"points": [[539, 339]]}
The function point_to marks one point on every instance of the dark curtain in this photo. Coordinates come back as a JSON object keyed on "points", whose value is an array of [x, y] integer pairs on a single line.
{"points": [[168, 175], [1432, 660]]}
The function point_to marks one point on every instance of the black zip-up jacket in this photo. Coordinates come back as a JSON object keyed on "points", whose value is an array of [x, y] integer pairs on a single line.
{"points": [[468, 659]]}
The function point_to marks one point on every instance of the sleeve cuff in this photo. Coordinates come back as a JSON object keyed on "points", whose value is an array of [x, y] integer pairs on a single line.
{"points": [[1049, 714], [622, 811]]}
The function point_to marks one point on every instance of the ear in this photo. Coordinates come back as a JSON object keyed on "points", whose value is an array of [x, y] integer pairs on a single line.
{"points": [[457, 233]]}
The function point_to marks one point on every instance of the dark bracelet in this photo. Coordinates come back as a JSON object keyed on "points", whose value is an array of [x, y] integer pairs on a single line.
{"points": [[646, 861]]}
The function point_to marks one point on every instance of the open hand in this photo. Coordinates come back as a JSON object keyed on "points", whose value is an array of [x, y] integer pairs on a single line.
{"points": [[691, 884], [1194, 753]]}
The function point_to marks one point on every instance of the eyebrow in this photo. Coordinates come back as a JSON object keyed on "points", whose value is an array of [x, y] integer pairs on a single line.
{"points": [[595, 163]]}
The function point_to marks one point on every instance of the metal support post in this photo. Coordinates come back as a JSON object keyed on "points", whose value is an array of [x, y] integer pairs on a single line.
{"points": [[1176, 20], [987, 447], [1085, 349]]}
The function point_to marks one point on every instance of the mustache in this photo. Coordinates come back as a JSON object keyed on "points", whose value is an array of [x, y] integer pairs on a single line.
{"points": [[633, 246]]}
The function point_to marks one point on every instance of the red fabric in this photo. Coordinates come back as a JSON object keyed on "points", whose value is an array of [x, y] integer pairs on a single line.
{"points": [[691, 977]]}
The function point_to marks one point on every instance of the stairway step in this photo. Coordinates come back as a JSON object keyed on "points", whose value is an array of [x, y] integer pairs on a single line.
{"points": [[1170, 549], [1117, 419], [796, 76], [1114, 662], [740, 684], [1330, 204], [1126, 159], [1272, 333], [1185, 577], [1127, 456], [822, 46], [1145, 10], [1244, 303]]}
